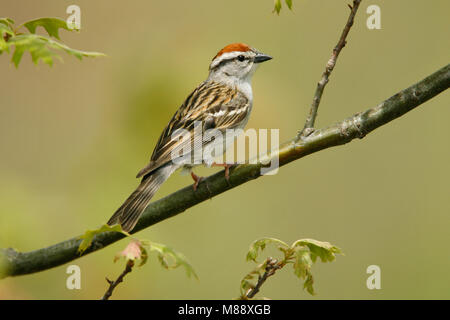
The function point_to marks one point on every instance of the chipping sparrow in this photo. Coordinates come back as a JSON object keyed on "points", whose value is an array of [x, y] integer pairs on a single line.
{"points": [[223, 101]]}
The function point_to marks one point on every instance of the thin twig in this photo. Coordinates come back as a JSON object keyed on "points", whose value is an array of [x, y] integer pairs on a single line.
{"points": [[113, 284], [310, 120], [272, 265]]}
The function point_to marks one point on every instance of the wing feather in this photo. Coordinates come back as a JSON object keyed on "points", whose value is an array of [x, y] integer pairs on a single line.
{"points": [[214, 104]]}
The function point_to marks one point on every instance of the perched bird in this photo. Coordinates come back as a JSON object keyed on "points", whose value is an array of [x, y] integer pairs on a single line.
{"points": [[223, 101]]}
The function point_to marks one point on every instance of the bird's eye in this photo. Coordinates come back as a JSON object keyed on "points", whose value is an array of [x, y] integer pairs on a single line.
{"points": [[241, 58]]}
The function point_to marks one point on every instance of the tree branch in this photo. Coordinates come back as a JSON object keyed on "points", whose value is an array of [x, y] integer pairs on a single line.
{"points": [[272, 265], [309, 124], [113, 284], [13, 263]]}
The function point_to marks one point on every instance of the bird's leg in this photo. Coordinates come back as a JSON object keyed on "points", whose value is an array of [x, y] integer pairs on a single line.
{"points": [[227, 167], [196, 179]]}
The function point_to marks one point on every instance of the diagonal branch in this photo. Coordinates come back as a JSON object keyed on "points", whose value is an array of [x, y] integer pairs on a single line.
{"points": [[113, 284], [309, 124], [13, 263], [272, 265]]}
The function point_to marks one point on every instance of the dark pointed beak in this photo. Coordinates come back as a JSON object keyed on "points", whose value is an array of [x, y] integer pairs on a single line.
{"points": [[261, 57]]}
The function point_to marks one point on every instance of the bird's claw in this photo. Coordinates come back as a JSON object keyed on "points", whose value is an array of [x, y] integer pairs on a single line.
{"points": [[197, 180], [227, 169]]}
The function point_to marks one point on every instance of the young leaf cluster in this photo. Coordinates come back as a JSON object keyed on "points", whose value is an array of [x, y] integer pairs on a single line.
{"points": [[139, 249], [169, 258], [302, 254], [41, 48]]}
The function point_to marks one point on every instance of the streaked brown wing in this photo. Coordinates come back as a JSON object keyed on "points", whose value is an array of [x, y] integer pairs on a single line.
{"points": [[215, 105]]}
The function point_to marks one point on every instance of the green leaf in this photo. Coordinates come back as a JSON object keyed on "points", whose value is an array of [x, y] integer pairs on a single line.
{"points": [[302, 263], [289, 4], [17, 55], [277, 6], [89, 235], [5, 33], [261, 245], [51, 25], [309, 285], [170, 258], [77, 53], [42, 48], [144, 256], [7, 21], [325, 250], [302, 268], [306, 253]]}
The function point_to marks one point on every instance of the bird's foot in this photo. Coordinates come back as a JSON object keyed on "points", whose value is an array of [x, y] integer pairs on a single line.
{"points": [[227, 167], [196, 179]]}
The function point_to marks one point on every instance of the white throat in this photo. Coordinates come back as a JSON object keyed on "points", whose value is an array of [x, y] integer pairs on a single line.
{"points": [[243, 84]]}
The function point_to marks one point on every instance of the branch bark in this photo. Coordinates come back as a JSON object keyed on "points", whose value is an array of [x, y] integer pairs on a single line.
{"points": [[13, 263]]}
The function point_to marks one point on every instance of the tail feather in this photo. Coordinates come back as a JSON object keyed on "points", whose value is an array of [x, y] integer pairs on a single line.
{"points": [[130, 211]]}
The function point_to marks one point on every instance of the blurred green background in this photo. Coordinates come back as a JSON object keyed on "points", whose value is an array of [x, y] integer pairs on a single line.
{"points": [[72, 138]]}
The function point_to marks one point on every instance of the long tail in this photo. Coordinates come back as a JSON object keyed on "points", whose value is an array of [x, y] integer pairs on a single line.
{"points": [[130, 211]]}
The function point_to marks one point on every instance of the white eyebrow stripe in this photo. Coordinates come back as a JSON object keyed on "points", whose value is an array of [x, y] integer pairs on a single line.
{"points": [[226, 56]]}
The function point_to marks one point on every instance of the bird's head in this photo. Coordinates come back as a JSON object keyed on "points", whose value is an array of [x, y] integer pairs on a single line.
{"points": [[236, 62]]}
